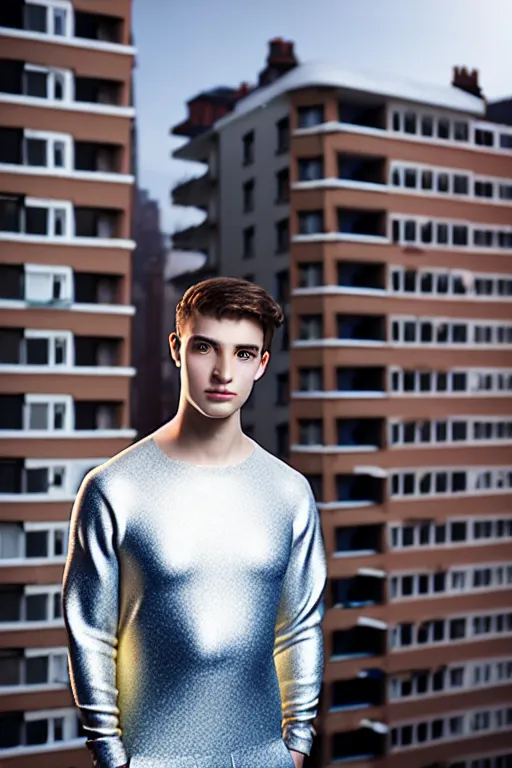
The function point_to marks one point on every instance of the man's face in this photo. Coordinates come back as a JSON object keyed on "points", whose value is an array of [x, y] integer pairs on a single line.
{"points": [[220, 354]]}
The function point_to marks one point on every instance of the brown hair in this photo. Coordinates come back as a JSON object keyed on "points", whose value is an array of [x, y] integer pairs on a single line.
{"points": [[231, 297]]}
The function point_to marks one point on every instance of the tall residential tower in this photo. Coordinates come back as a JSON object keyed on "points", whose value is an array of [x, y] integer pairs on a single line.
{"points": [[65, 333], [379, 214]]}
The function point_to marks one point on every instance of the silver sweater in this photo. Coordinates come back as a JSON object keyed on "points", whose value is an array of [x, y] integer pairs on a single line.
{"points": [[193, 598]]}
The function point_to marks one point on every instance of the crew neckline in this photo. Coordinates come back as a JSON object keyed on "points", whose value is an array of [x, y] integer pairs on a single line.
{"points": [[214, 467]]}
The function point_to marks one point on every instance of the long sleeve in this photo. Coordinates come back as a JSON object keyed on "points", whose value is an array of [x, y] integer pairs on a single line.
{"points": [[90, 603], [298, 646]]}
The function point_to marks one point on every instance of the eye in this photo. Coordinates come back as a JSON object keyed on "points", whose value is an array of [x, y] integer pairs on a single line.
{"points": [[246, 352], [200, 344]]}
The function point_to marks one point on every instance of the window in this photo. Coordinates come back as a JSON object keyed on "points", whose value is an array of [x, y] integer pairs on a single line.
{"points": [[310, 168], [248, 196], [283, 135], [311, 222], [44, 83], [47, 150], [248, 243], [50, 348], [45, 285], [282, 235], [283, 186], [248, 148], [308, 117], [35, 18], [310, 327], [51, 218], [47, 19]]}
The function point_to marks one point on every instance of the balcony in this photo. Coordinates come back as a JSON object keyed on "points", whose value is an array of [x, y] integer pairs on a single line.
{"points": [[358, 591], [363, 113], [24, 606], [33, 220], [363, 744], [359, 490], [43, 479], [355, 541], [57, 416], [52, 351], [366, 690], [194, 192], [361, 381], [361, 329], [25, 83], [196, 238], [23, 150], [27, 670], [358, 277], [357, 642], [360, 170], [360, 434], [60, 22], [49, 286], [362, 225], [37, 732], [32, 544]]}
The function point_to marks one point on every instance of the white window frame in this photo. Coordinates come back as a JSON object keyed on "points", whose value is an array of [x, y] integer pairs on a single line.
{"points": [[53, 529], [51, 5], [54, 272], [51, 139], [49, 590], [499, 625], [471, 279], [52, 337], [400, 167], [51, 401], [471, 228], [476, 331], [498, 130], [454, 726], [493, 524], [474, 378], [68, 90], [56, 657], [469, 681], [499, 573], [478, 481], [53, 207], [54, 467], [489, 423]]}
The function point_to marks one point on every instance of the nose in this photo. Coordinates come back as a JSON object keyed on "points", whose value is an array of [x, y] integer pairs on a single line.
{"points": [[222, 370]]}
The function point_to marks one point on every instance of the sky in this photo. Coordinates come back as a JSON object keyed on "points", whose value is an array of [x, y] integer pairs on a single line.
{"points": [[186, 47]]}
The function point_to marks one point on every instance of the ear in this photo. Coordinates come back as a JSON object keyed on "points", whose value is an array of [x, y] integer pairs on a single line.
{"points": [[263, 366], [174, 344]]}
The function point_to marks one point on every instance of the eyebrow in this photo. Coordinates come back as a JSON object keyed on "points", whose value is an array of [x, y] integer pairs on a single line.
{"points": [[216, 344]]}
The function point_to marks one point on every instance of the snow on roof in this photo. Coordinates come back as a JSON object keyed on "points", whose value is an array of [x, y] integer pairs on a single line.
{"points": [[324, 74]]}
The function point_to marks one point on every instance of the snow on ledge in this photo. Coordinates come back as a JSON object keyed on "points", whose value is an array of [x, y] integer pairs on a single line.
{"points": [[325, 74]]}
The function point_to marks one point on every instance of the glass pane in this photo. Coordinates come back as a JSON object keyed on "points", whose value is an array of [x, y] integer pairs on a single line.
{"points": [[36, 84], [36, 152], [36, 221], [37, 351], [37, 732], [35, 18], [36, 544], [38, 416], [59, 21], [37, 670], [59, 154], [36, 607]]}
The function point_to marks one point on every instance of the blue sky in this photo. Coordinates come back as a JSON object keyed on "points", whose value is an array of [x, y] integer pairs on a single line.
{"points": [[186, 47]]}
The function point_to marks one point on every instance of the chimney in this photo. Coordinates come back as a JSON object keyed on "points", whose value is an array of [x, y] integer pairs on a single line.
{"points": [[467, 81], [280, 60]]}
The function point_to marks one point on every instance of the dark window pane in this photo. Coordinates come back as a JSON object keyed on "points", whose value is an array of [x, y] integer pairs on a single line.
{"points": [[36, 221], [35, 18], [36, 84], [36, 152]]}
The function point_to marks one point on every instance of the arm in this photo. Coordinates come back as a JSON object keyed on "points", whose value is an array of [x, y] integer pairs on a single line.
{"points": [[298, 646], [90, 608]]}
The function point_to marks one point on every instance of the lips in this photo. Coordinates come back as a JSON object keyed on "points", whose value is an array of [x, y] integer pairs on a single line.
{"points": [[219, 392]]}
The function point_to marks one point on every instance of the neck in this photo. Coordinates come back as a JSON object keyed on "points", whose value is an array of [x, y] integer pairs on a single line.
{"points": [[203, 438]]}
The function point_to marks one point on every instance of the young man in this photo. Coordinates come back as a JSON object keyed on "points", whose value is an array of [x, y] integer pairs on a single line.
{"points": [[194, 583]]}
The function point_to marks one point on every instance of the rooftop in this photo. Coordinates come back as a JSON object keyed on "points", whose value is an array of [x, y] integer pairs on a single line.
{"points": [[327, 75]]}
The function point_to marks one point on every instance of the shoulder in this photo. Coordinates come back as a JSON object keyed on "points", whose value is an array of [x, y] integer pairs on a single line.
{"points": [[287, 479], [131, 462]]}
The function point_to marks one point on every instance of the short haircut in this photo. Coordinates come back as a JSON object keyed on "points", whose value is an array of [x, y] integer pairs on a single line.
{"points": [[231, 297]]}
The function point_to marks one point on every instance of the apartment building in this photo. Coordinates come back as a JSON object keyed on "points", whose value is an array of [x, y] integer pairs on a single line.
{"points": [[65, 333], [379, 214]]}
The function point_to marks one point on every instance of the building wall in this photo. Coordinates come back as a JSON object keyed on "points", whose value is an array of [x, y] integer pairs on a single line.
{"points": [[265, 263]]}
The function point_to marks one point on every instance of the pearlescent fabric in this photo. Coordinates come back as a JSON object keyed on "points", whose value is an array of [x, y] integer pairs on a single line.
{"points": [[193, 598]]}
